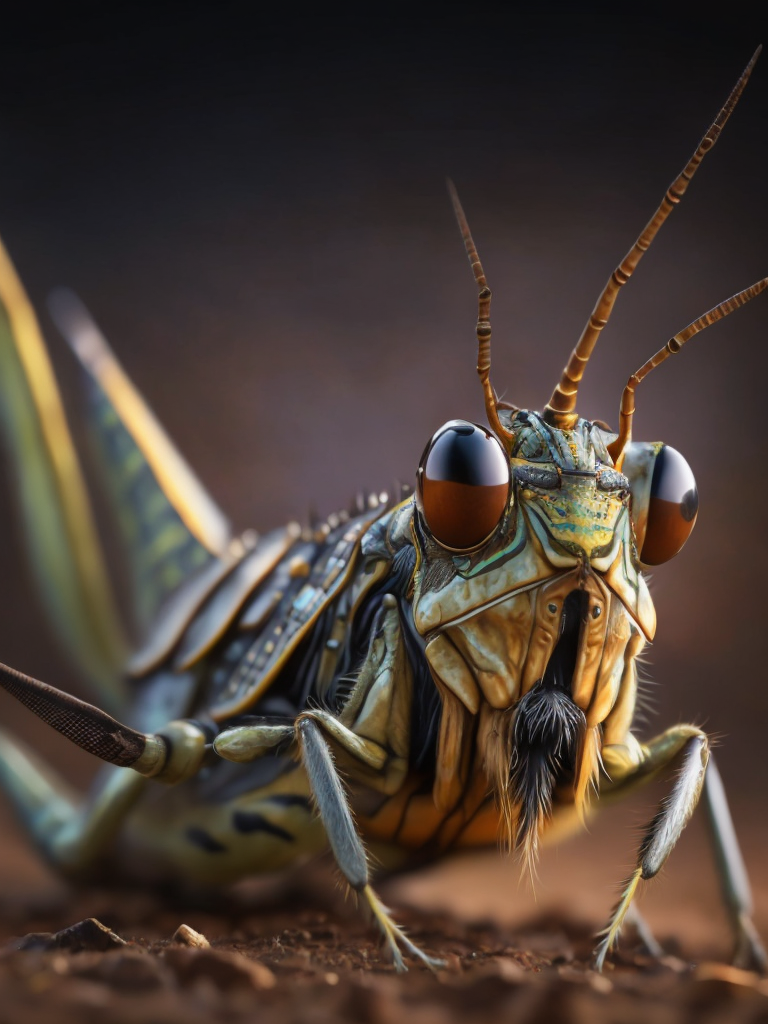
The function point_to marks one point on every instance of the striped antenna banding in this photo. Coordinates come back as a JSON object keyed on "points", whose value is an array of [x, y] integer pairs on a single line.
{"points": [[483, 317], [617, 447], [560, 411]]}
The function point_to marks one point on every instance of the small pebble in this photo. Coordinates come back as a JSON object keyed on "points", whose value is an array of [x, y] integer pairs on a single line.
{"points": [[187, 936]]}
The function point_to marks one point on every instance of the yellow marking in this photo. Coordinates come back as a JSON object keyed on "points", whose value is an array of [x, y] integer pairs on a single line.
{"points": [[184, 491], [613, 929], [621, 760], [411, 820], [395, 936], [103, 628], [298, 568]]}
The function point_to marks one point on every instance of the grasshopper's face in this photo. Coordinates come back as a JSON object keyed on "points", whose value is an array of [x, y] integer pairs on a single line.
{"points": [[529, 582], [493, 521]]}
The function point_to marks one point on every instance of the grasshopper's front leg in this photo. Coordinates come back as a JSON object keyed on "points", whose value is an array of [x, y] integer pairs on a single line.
{"points": [[345, 842], [370, 737], [688, 748]]}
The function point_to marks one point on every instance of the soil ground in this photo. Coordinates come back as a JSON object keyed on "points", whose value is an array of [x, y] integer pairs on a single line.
{"points": [[292, 949]]}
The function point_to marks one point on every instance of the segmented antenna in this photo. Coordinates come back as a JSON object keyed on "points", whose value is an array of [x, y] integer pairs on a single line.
{"points": [[483, 318], [560, 411], [616, 448]]}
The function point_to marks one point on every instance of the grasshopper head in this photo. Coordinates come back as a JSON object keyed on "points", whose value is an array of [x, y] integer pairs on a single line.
{"points": [[470, 486]]}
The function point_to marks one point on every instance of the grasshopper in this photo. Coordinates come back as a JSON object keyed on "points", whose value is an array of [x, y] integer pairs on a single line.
{"points": [[409, 677]]}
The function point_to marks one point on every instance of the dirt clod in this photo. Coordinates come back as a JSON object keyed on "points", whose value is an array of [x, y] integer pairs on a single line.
{"points": [[226, 970], [85, 936]]}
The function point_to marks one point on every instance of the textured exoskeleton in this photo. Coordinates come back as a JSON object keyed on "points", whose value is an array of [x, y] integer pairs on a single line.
{"points": [[463, 657]]}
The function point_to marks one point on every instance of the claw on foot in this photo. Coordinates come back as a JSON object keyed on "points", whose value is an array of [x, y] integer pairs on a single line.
{"points": [[395, 937], [611, 933]]}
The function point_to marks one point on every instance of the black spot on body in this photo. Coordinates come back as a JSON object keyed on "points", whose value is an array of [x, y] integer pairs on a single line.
{"points": [[199, 837], [248, 822], [289, 800]]}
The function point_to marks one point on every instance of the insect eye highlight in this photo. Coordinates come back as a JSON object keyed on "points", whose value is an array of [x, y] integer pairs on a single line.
{"points": [[462, 485], [672, 507]]}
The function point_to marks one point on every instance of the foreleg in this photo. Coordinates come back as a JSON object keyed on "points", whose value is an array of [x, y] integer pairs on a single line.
{"points": [[632, 765], [333, 808], [663, 831]]}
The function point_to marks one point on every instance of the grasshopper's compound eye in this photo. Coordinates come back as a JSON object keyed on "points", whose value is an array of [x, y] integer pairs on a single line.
{"points": [[673, 503], [462, 485]]}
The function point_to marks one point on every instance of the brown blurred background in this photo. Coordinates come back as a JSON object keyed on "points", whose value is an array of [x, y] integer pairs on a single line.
{"points": [[258, 220]]}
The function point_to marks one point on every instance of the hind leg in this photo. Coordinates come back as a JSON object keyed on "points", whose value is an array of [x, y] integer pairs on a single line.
{"points": [[737, 895], [72, 835]]}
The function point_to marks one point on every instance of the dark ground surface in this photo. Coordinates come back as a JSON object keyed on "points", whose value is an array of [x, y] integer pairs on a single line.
{"points": [[294, 950], [315, 966]]}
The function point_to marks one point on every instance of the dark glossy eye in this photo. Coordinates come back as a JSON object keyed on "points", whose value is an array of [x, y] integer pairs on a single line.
{"points": [[672, 506], [462, 485]]}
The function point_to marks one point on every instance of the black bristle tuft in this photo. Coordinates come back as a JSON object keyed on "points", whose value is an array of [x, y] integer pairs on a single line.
{"points": [[548, 730]]}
